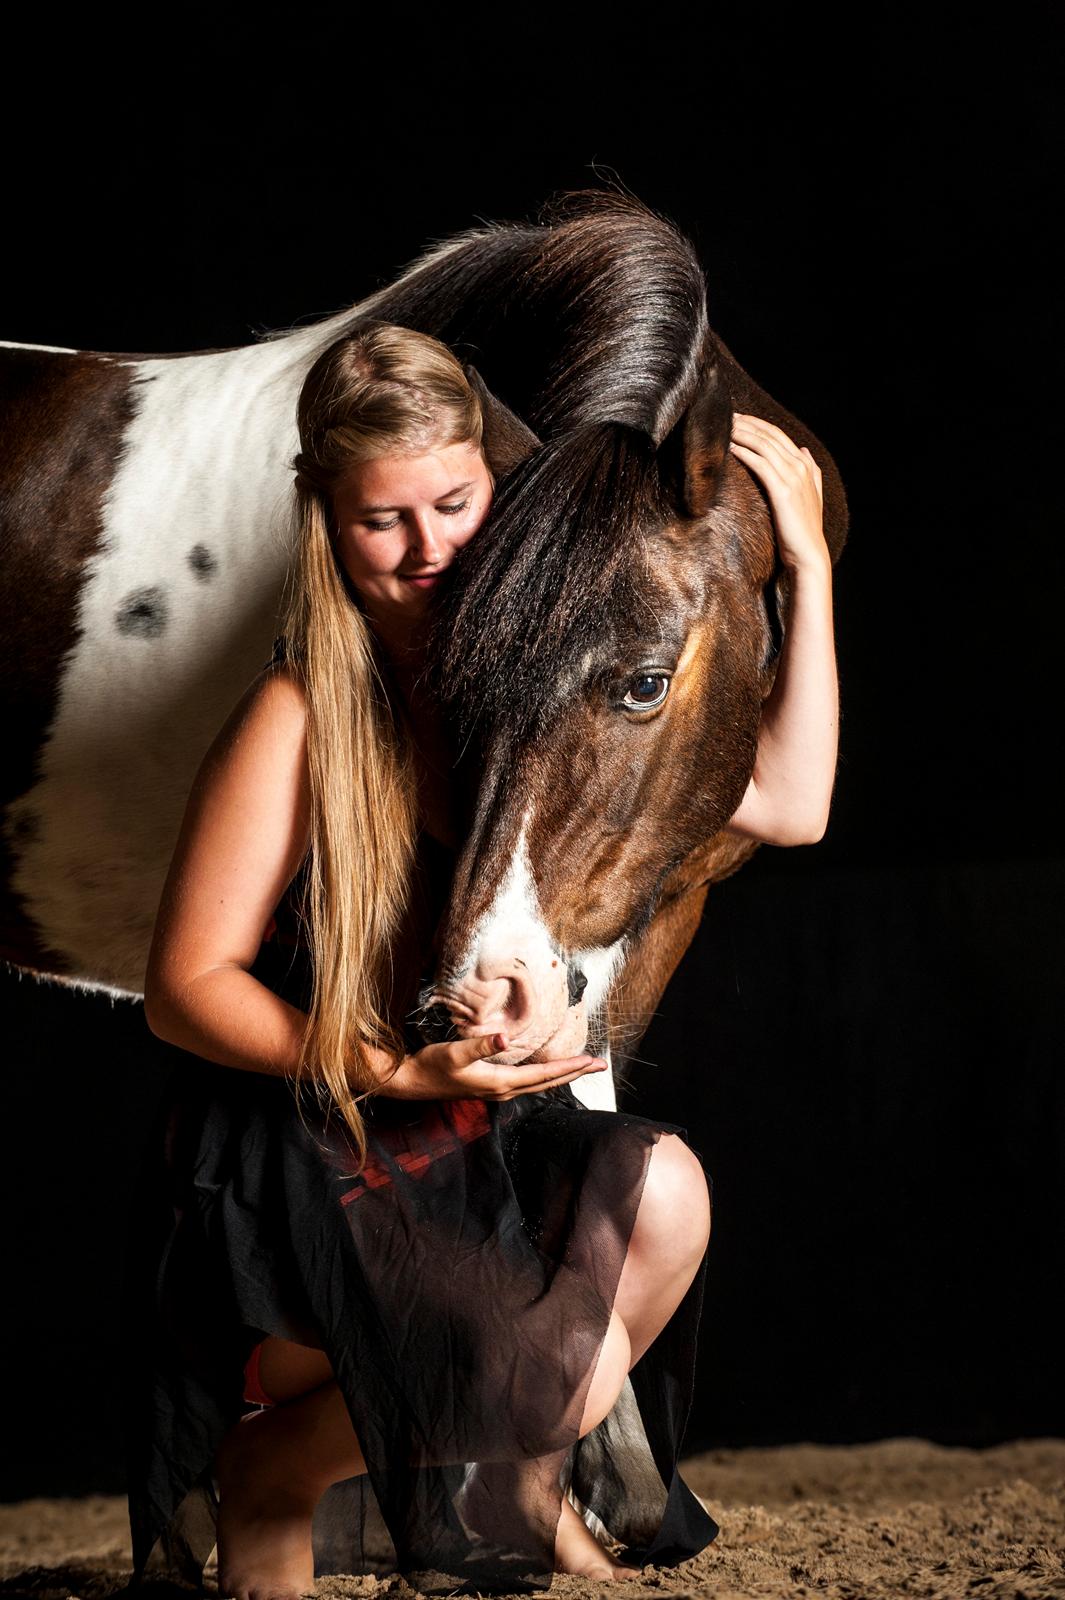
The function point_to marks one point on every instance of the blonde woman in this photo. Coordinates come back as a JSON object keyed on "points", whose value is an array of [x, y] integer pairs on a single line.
{"points": [[428, 1274]]}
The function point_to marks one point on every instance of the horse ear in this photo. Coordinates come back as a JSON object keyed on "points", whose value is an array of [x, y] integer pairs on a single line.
{"points": [[506, 441], [691, 457]]}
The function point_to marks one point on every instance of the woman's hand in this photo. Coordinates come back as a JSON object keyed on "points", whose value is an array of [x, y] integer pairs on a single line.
{"points": [[792, 480], [457, 1070]]}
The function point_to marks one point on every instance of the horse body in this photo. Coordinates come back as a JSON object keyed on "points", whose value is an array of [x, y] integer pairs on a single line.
{"points": [[157, 566], [148, 523]]}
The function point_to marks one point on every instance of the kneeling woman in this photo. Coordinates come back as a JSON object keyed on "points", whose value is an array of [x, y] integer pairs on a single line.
{"points": [[401, 1299]]}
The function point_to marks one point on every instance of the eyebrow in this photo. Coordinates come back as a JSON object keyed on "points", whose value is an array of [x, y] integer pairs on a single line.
{"points": [[368, 510]]}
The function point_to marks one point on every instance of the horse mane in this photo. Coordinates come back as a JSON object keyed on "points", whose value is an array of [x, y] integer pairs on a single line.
{"points": [[595, 312]]}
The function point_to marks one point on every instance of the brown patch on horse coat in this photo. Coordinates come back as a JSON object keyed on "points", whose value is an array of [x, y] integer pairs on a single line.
{"points": [[63, 417]]}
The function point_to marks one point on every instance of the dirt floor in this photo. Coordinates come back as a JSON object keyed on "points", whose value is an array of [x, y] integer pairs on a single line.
{"points": [[898, 1517]]}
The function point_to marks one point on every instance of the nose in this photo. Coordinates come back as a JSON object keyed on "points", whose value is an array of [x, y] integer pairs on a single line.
{"points": [[426, 544], [498, 995]]}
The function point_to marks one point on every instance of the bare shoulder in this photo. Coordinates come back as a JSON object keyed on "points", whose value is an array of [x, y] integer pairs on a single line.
{"points": [[267, 728], [258, 760], [245, 831], [275, 697]]}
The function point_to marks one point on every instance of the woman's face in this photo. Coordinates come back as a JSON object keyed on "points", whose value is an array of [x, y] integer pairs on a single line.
{"points": [[400, 520]]}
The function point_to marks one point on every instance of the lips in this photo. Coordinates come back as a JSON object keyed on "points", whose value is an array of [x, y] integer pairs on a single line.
{"points": [[423, 581]]}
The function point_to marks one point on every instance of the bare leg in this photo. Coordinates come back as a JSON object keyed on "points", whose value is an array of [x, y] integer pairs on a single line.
{"points": [[272, 1469], [489, 1498], [275, 1465], [668, 1242]]}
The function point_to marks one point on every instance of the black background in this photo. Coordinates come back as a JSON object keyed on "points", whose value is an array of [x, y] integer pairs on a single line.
{"points": [[865, 1040]]}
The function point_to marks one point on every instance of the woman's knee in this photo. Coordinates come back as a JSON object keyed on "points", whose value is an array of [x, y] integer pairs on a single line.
{"points": [[287, 1370], [545, 1422], [615, 1356], [675, 1212]]}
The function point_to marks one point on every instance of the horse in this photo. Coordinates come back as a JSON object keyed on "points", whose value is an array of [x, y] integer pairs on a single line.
{"points": [[603, 650]]}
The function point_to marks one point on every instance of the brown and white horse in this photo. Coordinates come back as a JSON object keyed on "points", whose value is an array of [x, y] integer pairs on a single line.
{"points": [[605, 644]]}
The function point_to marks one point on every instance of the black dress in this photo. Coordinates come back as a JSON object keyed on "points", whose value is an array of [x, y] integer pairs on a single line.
{"points": [[461, 1287]]}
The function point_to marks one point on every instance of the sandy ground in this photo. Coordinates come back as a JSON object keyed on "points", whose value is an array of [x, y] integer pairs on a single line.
{"points": [[898, 1517]]}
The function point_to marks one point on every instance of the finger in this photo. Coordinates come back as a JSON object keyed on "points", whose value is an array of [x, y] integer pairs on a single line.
{"points": [[476, 1048], [792, 472], [547, 1083], [533, 1072], [777, 448], [819, 482], [769, 430], [758, 461]]}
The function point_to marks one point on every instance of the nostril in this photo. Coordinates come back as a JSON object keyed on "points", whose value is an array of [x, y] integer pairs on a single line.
{"points": [[577, 984]]}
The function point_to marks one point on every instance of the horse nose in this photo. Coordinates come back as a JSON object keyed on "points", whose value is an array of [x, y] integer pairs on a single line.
{"points": [[577, 984], [494, 998]]}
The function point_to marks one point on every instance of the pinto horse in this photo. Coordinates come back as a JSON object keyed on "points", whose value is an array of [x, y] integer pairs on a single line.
{"points": [[604, 647]]}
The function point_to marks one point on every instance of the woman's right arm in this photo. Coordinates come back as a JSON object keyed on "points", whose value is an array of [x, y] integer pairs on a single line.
{"points": [[245, 831]]}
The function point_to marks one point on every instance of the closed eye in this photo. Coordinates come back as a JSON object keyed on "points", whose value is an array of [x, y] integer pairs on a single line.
{"points": [[449, 511]]}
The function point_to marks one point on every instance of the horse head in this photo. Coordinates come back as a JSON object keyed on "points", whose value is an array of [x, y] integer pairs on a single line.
{"points": [[603, 652]]}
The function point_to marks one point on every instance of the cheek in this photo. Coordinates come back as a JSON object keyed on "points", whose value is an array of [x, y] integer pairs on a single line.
{"points": [[371, 558]]}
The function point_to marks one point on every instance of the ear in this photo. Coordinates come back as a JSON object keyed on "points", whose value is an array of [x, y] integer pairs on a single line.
{"points": [[691, 457], [507, 441]]}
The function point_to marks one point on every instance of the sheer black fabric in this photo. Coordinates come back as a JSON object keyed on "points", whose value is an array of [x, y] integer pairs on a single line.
{"points": [[461, 1287]]}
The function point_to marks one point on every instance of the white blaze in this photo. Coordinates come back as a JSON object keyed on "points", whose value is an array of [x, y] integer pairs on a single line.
{"points": [[512, 934]]}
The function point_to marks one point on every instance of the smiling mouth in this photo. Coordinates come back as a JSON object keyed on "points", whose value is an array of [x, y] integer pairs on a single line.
{"points": [[422, 579]]}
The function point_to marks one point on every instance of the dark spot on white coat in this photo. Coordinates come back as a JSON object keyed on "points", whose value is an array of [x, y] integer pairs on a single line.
{"points": [[142, 613], [202, 562]]}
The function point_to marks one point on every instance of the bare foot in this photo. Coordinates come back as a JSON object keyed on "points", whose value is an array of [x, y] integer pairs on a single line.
{"points": [[264, 1526], [494, 1493], [578, 1550]]}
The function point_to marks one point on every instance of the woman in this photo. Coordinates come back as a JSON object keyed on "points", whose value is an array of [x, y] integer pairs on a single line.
{"points": [[441, 1269]]}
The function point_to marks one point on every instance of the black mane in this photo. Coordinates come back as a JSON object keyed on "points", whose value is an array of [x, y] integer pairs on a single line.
{"points": [[594, 313]]}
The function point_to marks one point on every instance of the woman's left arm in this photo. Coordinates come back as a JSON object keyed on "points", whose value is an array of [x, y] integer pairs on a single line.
{"points": [[788, 798]]}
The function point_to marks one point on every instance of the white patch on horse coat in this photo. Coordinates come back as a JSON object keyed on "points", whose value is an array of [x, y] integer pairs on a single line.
{"points": [[596, 1090], [512, 930]]}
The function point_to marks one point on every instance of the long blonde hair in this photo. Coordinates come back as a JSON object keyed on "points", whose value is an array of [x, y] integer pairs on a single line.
{"points": [[381, 390]]}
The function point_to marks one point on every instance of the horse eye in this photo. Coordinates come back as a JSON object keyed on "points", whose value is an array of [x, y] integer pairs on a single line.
{"points": [[646, 691]]}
